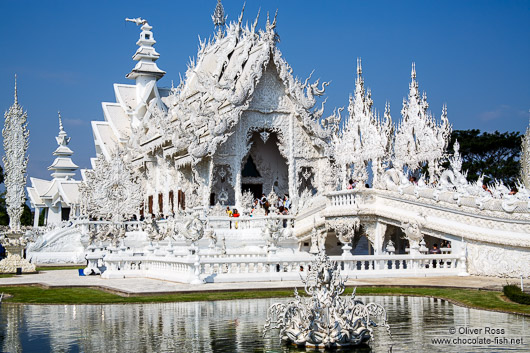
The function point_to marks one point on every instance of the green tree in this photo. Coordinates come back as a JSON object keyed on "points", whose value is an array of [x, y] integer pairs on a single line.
{"points": [[495, 155]]}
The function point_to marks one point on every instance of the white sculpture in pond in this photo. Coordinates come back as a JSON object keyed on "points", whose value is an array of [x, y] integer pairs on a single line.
{"points": [[325, 319]]}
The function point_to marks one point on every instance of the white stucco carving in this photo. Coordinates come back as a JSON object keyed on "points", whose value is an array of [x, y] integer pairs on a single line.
{"points": [[16, 140], [111, 191], [525, 159], [419, 138], [240, 105], [500, 261]]}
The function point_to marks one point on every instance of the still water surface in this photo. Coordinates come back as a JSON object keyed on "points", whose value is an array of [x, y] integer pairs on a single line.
{"points": [[237, 326]]}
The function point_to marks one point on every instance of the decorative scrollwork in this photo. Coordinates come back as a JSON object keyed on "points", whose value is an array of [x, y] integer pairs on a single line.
{"points": [[325, 320]]}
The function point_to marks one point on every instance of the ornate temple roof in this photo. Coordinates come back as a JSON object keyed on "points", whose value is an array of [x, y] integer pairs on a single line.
{"points": [[220, 84], [197, 116]]}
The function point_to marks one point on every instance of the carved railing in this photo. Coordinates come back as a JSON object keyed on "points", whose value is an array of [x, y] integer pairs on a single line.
{"points": [[261, 267], [246, 222], [431, 197]]}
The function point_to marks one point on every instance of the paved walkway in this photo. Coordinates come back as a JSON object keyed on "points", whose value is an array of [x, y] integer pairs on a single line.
{"points": [[132, 286]]}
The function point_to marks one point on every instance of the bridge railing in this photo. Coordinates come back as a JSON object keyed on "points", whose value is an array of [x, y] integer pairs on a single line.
{"points": [[259, 267]]}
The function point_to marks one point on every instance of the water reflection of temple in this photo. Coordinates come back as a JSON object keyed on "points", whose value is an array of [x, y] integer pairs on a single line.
{"points": [[222, 326]]}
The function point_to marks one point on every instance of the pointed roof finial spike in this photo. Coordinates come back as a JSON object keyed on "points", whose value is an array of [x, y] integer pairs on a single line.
{"points": [[359, 67], [413, 71], [16, 92], [274, 21], [241, 15], [256, 20], [61, 129]]}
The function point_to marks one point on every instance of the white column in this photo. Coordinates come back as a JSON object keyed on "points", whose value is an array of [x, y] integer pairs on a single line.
{"points": [[380, 230], [36, 217], [293, 183], [237, 187]]}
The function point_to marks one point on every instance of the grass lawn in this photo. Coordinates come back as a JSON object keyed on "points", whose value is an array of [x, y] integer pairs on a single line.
{"points": [[479, 299]]}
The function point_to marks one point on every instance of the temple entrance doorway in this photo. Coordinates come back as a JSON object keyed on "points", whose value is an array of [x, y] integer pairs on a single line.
{"points": [[255, 189], [264, 168]]}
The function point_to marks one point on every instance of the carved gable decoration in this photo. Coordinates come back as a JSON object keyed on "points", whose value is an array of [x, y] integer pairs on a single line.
{"points": [[269, 94], [112, 190]]}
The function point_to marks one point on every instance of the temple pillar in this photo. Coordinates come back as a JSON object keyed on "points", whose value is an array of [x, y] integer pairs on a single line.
{"points": [[208, 189], [36, 217], [291, 164], [237, 186], [375, 232]]}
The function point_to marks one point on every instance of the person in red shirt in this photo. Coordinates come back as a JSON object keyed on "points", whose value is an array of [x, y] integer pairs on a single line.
{"points": [[235, 214]]}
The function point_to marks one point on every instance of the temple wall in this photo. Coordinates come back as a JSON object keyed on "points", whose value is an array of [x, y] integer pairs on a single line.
{"points": [[486, 259]]}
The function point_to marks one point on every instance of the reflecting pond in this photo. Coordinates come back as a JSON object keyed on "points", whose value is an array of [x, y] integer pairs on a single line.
{"points": [[419, 324]]}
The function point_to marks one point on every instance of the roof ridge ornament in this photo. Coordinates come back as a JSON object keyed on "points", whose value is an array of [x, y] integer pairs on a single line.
{"points": [[240, 19], [253, 28], [218, 17], [138, 21]]}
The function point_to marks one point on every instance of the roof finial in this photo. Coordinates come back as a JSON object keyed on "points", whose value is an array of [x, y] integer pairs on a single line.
{"points": [[61, 129], [218, 17], [16, 93], [359, 67], [270, 26], [274, 21], [413, 72], [256, 21], [138, 21], [241, 16]]}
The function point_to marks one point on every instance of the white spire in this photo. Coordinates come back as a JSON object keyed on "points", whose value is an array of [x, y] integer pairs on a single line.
{"points": [[146, 55], [16, 93], [218, 17], [62, 167]]}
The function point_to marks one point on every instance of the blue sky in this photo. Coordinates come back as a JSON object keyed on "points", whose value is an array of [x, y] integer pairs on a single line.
{"points": [[472, 55]]}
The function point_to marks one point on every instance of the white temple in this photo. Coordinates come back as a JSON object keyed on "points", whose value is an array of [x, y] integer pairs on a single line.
{"points": [[56, 197], [170, 160]]}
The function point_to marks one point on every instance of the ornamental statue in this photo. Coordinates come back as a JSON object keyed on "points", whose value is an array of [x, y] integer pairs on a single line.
{"points": [[16, 140], [325, 319]]}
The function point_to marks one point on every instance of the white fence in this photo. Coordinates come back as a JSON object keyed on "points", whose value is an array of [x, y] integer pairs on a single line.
{"points": [[257, 267]]}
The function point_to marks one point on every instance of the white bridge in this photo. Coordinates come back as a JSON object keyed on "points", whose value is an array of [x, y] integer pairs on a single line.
{"points": [[485, 240]]}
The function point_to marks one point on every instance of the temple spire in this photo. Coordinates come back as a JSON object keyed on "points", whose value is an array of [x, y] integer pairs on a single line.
{"points": [[146, 69], [61, 129], [16, 92], [218, 17], [62, 167]]}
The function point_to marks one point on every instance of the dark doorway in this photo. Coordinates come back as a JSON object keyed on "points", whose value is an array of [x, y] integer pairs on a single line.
{"points": [[250, 169], [181, 200], [255, 189], [65, 214]]}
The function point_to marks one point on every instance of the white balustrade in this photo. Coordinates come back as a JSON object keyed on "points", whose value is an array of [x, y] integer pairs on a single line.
{"points": [[260, 267]]}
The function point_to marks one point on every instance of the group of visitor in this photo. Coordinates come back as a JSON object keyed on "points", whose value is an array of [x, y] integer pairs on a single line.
{"points": [[233, 213], [282, 205], [353, 183]]}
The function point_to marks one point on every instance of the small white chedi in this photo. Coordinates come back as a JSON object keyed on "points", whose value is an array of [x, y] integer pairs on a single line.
{"points": [[240, 125]]}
